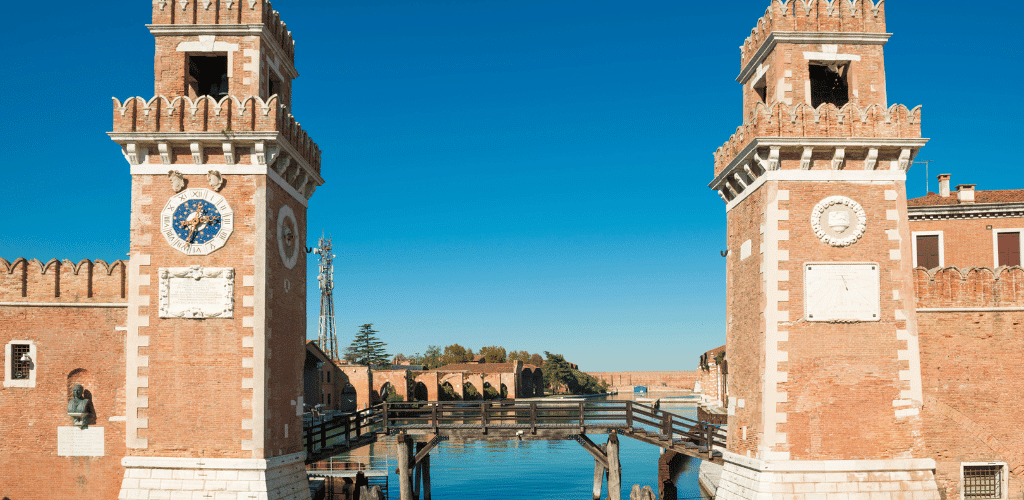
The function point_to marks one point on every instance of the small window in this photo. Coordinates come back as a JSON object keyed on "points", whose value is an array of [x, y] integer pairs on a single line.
{"points": [[208, 75], [20, 364], [1009, 249], [761, 88], [328, 398], [328, 380], [983, 482], [928, 251], [829, 83], [275, 87]]}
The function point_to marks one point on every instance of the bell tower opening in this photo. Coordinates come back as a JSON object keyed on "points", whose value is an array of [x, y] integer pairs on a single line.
{"points": [[207, 75], [829, 83]]}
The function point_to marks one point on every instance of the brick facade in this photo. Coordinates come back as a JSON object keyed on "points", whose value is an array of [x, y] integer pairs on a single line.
{"points": [[651, 380]]}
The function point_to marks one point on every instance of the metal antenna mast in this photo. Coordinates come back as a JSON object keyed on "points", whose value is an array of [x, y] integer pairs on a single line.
{"points": [[327, 338]]}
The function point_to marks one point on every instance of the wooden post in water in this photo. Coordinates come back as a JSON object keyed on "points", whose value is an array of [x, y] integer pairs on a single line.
{"points": [[425, 464], [614, 468], [404, 459], [417, 479], [598, 479]]}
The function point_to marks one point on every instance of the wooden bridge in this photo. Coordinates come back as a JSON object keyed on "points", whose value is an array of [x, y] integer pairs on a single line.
{"points": [[435, 421]]}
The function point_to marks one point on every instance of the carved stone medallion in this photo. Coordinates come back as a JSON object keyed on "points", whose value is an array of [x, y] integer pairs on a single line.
{"points": [[838, 221]]}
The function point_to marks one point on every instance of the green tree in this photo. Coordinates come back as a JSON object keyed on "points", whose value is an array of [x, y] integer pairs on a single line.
{"points": [[519, 356], [455, 353], [493, 354], [561, 376], [366, 348], [431, 357]]}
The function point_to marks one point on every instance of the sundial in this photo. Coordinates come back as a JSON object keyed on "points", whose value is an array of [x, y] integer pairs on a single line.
{"points": [[841, 292]]}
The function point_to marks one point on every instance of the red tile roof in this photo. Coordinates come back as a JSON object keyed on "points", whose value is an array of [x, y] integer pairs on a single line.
{"points": [[989, 196]]}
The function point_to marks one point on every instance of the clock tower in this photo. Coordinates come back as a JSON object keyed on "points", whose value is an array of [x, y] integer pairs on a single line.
{"points": [[221, 177], [822, 345]]}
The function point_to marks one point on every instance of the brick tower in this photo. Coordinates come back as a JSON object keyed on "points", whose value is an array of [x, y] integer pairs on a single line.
{"points": [[221, 176], [825, 377]]}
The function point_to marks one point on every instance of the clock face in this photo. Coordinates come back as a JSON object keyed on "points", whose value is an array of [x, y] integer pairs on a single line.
{"points": [[843, 293], [196, 221]]}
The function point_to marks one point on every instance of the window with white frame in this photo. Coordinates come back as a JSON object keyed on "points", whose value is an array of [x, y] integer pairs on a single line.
{"points": [[983, 481], [1006, 246], [20, 364], [928, 249]]}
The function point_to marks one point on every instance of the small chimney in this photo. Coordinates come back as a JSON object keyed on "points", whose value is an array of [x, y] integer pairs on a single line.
{"points": [[965, 193], [944, 185]]}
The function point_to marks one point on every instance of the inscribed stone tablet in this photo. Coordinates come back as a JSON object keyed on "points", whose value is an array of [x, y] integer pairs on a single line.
{"points": [[197, 292], [75, 442], [841, 292]]}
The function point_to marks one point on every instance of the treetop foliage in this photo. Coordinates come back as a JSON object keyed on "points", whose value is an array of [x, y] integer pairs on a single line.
{"points": [[366, 348]]}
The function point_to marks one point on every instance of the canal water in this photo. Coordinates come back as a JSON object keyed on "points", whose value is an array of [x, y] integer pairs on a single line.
{"points": [[538, 470]]}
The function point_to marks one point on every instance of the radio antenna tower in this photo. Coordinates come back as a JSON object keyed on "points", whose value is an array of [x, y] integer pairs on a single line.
{"points": [[327, 338]]}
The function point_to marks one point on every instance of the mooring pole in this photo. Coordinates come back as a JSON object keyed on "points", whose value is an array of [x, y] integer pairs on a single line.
{"points": [[598, 478], [404, 459], [426, 477], [614, 468], [418, 477]]}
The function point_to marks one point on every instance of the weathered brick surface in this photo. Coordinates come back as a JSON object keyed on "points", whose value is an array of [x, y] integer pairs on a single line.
{"points": [[73, 345], [968, 242]]}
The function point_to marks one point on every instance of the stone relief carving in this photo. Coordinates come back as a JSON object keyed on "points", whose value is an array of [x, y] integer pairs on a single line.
{"points": [[177, 181], [196, 292], [838, 221], [216, 180]]}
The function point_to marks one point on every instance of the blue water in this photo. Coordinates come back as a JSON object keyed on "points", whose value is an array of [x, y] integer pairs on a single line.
{"points": [[538, 470]]}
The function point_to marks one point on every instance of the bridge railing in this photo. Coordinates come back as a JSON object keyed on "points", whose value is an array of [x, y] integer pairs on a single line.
{"points": [[341, 430], [533, 415]]}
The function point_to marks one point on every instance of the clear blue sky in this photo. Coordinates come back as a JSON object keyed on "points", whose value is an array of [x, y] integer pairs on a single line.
{"points": [[531, 174]]}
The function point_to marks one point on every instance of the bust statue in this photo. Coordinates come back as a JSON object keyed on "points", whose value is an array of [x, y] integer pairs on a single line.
{"points": [[78, 407]]}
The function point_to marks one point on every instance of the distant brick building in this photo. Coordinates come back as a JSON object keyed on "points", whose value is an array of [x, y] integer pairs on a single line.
{"points": [[873, 342], [190, 353]]}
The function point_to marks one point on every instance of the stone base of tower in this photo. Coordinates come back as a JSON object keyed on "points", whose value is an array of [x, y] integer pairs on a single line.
{"points": [[904, 479], [278, 478]]}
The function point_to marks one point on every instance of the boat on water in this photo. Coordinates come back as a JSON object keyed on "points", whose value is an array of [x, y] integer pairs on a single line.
{"points": [[638, 389]]}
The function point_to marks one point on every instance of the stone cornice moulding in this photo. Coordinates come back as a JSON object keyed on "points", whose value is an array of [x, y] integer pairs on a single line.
{"points": [[808, 37], [973, 211], [887, 176], [746, 155], [818, 466], [228, 30]]}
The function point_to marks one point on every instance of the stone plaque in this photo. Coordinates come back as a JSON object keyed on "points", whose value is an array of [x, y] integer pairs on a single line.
{"points": [[196, 292], [841, 292], [75, 442], [838, 221]]}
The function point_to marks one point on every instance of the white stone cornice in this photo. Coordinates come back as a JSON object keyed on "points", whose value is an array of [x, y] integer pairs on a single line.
{"points": [[818, 176], [973, 211], [808, 37], [65, 304], [749, 152], [229, 30]]}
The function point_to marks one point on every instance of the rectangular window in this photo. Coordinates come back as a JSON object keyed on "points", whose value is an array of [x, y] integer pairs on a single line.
{"points": [[928, 251], [982, 482], [328, 377], [19, 368], [328, 398], [208, 75], [1009, 249], [829, 83]]}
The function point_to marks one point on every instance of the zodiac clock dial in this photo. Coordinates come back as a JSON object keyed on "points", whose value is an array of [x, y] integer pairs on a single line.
{"points": [[196, 221]]}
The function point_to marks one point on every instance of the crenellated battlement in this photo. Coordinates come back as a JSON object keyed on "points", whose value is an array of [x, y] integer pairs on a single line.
{"points": [[62, 281], [225, 12], [951, 287], [229, 116], [825, 121], [814, 16]]}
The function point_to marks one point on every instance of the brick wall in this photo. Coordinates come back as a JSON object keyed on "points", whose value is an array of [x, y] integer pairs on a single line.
{"points": [[971, 364], [73, 345], [674, 379], [746, 280], [968, 242]]}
